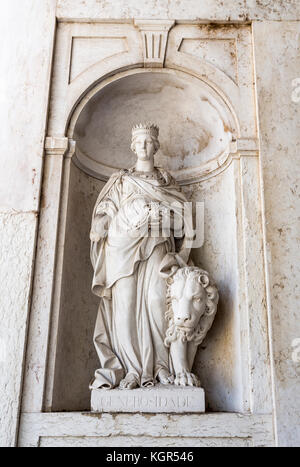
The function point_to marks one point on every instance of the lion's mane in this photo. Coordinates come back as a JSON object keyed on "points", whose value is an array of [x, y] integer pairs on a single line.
{"points": [[205, 321]]}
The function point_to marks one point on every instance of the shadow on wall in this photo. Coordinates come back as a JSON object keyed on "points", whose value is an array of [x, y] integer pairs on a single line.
{"points": [[76, 358]]}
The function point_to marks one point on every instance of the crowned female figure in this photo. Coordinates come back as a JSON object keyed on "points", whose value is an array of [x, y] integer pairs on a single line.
{"points": [[134, 239]]}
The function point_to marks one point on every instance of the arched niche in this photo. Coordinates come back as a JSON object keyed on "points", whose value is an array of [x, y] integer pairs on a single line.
{"points": [[197, 127], [196, 124]]}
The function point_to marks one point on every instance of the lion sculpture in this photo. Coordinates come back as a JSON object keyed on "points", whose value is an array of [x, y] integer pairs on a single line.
{"points": [[191, 307]]}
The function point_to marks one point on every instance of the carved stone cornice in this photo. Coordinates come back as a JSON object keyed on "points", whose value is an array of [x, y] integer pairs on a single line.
{"points": [[154, 37]]}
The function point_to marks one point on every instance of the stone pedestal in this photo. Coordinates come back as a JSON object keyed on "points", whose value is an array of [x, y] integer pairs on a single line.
{"points": [[157, 399]]}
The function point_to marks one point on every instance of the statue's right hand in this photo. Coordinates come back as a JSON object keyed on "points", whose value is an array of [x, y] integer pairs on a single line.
{"points": [[95, 236]]}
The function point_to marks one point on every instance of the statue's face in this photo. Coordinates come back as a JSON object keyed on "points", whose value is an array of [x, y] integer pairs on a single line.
{"points": [[144, 147]]}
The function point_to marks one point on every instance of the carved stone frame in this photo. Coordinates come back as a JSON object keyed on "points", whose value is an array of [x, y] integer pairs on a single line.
{"points": [[67, 100]]}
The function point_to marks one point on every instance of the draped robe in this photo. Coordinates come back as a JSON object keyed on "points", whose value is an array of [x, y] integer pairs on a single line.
{"points": [[129, 265]]}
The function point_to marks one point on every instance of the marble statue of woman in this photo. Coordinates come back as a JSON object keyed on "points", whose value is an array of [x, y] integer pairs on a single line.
{"points": [[130, 245]]}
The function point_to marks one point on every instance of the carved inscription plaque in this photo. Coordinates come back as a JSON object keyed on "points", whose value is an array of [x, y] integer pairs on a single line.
{"points": [[158, 399]]}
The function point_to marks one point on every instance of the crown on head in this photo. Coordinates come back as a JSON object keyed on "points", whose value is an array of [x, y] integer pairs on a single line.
{"points": [[150, 128]]}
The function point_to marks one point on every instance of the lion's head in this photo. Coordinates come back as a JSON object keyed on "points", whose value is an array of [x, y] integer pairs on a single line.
{"points": [[191, 305]]}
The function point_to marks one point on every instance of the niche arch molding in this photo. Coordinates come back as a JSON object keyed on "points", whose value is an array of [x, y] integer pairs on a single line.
{"points": [[224, 116]]}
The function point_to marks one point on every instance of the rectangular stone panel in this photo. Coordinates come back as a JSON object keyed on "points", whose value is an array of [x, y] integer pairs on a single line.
{"points": [[220, 52], [86, 51], [158, 399]]}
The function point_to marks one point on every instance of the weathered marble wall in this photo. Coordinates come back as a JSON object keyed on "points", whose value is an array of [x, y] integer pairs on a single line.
{"points": [[214, 10], [277, 66], [17, 240], [27, 32]]}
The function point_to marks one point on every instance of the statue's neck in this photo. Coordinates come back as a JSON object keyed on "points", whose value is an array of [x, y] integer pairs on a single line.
{"points": [[144, 166]]}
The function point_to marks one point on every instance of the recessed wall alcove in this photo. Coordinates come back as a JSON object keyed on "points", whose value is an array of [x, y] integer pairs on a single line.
{"points": [[196, 129], [199, 87], [196, 126]]}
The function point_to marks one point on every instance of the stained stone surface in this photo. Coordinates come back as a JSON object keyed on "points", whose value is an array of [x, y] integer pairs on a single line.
{"points": [[216, 10], [158, 399], [196, 130], [279, 114]]}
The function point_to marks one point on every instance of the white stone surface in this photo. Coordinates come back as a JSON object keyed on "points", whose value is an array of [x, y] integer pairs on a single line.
{"points": [[216, 10], [17, 241], [158, 399], [46, 262], [201, 121], [74, 428], [277, 65], [26, 56], [26, 53], [65, 94]]}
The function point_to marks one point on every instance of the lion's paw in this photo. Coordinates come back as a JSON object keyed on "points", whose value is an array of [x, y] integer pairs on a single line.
{"points": [[187, 379]]}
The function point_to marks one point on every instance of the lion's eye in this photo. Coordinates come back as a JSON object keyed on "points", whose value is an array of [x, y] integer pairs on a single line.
{"points": [[197, 299]]}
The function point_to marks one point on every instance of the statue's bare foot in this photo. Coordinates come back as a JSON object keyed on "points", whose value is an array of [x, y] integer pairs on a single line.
{"points": [[187, 379], [129, 382], [165, 377]]}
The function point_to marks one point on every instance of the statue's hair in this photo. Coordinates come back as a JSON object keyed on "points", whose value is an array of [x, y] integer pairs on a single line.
{"points": [[205, 321]]}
